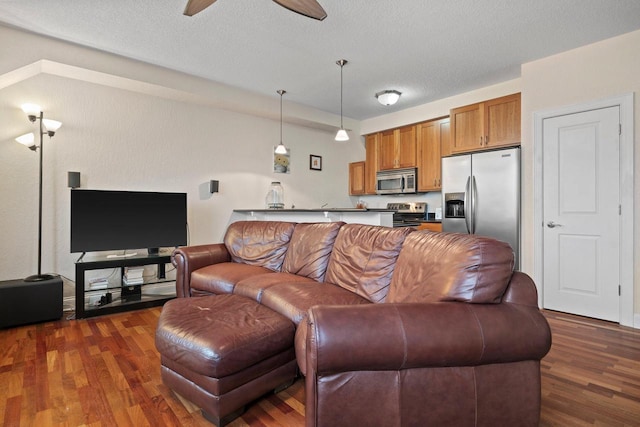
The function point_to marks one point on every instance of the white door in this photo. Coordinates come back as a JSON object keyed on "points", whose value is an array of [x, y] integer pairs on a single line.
{"points": [[581, 199]]}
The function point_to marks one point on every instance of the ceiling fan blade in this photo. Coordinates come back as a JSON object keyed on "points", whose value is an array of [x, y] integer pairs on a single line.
{"points": [[195, 6], [310, 8]]}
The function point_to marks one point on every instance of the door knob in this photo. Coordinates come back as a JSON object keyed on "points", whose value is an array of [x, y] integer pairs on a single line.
{"points": [[552, 224]]}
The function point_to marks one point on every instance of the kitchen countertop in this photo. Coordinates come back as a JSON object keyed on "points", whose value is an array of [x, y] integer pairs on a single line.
{"points": [[316, 210]]}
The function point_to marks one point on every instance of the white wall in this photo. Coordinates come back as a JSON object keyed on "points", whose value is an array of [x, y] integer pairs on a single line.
{"points": [[133, 140]]}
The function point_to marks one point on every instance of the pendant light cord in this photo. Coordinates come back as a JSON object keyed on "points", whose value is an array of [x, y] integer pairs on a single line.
{"points": [[281, 92], [341, 125], [341, 63]]}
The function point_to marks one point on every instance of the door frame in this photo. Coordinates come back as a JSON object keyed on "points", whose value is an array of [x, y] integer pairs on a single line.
{"points": [[625, 103]]}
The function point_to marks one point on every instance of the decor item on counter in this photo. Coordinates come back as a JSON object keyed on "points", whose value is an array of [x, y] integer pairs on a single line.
{"points": [[308, 8], [281, 162], [361, 204], [281, 149], [388, 97], [315, 162], [341, 136], [275, 196], [34, 112]]}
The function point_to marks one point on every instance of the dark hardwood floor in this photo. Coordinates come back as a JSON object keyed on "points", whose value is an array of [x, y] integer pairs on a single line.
{"points": [[105, 372]]}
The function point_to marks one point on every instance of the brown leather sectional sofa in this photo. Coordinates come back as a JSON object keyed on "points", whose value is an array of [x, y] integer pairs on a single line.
{"points": [[389, 326]]}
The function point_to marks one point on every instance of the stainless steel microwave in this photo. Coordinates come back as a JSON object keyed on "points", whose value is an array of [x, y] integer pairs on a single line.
{"points": [[397, 181]]}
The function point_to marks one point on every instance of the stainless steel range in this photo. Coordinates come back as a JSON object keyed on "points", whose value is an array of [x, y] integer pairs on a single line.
{"points": [[407, 214]]}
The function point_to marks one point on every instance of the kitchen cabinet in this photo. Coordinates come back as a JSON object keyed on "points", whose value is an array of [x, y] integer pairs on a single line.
{"points": [[397, 148], [490, 124], [432, 136], [356, 178], [431, 226], [371, 163]]}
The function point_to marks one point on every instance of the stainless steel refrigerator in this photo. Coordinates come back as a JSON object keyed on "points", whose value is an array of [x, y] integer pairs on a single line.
{"points": [[481, 195]]}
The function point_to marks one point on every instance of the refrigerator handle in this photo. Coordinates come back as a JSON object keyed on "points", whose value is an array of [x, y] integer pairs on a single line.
{"points": [[474, 203], [467, 205]]}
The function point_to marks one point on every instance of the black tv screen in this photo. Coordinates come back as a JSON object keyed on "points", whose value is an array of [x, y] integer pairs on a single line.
{"points": [[113, 220]]}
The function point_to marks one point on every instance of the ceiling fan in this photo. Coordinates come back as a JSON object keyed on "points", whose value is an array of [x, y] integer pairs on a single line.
{"points": [[310, 8]]}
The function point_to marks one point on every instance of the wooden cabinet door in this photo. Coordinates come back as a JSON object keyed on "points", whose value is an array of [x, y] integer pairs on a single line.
{"points": [[503, 121], [445, 138], [387, 150], [430, 137], [371, 163], [356, 178], [467, 133], [406, 147], [431, 226]]}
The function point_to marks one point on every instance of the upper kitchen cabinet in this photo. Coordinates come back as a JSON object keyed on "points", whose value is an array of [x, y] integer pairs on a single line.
{"points": [[356, 178], [397, 148], [432, 138], [489, 124], [371, 163]]}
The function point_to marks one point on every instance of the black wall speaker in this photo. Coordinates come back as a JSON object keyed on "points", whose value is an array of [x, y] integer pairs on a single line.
{"points": [[73, 179], [213, 186]]}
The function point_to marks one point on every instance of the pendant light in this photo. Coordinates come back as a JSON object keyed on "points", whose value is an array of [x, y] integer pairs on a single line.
{"points": [[281, 149], [341, 136]]}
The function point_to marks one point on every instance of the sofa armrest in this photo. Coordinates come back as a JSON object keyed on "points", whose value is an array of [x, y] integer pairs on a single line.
{"points": [[417, 335], [187, 259]]}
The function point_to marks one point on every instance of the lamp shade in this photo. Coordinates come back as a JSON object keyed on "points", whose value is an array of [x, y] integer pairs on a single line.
{"points": [[388, 97], [51, 125], [281, 149], [26, 139], [31, 109], [342, 136]]}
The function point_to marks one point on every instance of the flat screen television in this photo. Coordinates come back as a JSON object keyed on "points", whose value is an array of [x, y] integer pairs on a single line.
{"points": [[104, 220]]}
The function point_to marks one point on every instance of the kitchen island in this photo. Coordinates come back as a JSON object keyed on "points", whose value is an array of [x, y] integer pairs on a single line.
{"points": [[348, 215]]}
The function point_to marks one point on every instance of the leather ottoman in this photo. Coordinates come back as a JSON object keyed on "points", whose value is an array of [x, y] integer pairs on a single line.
{"points": [[223, 351]]}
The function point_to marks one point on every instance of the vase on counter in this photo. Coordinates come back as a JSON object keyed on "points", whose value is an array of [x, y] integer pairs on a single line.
{"points": [[275, 196]]}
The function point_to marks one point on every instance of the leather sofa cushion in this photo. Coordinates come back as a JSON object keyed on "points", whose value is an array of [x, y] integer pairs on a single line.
{"points": [[222, 278], [246, 333], [294, 299], [364, 257], [261, 243], [310, 248], [253, 287], [451, 267]]}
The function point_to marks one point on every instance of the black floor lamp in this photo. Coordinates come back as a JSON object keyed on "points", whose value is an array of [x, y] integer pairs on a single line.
{"points": [[49, 127]]}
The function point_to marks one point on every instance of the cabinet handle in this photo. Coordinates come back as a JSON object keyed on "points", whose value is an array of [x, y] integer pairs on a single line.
{"points": [[481, 141], [486, 140]]}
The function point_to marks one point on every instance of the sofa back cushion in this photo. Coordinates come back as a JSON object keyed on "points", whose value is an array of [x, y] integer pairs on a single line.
{"points": [[310, 248], [451, 267], [364, 257], [261, 243]]}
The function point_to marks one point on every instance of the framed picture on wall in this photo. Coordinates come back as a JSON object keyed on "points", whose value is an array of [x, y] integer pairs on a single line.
{"points": [[315, 162], [281, 162]]}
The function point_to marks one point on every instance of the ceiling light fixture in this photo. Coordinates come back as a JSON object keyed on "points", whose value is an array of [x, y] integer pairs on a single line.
{"points": [[48, 127], [388, 97], [281, 149], [341, 136]]}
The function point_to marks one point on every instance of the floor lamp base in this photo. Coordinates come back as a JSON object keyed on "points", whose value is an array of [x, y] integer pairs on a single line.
{"points": [[39, 277]]}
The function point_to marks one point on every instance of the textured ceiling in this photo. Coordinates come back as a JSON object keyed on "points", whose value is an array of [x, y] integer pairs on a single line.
{"points": [[426, 49]]}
